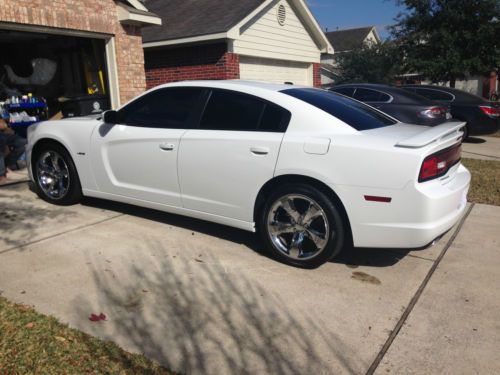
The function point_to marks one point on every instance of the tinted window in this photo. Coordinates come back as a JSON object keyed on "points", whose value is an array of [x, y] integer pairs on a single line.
{"points": [[355, 114], [164, 108], [229, 110], [435, 95], [366, 95], [347, 91], [274, 119]]}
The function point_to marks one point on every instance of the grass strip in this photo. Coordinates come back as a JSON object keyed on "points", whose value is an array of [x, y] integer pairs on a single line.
{"points": [[32, 343]]}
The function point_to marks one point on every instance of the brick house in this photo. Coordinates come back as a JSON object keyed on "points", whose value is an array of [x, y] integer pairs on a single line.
{"points": [[267, 40], [93, 45]]}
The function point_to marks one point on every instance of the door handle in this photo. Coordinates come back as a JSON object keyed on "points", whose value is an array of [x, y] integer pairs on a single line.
{"points": [[259, 150], [167, 146]]}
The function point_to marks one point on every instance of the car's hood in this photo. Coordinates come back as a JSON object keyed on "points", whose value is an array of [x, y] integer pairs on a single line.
{"points": [[83, 118]]}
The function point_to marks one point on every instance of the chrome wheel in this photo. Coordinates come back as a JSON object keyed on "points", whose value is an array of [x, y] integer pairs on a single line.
{"points": [[53, 175], [298, 227]]}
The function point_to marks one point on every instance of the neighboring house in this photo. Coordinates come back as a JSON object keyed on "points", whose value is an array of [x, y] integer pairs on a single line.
{"points": [[484, 86], [268, 40], [344, 41], [90, 45]]}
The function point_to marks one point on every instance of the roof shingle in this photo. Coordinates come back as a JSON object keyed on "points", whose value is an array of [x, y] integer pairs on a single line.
{"points": [[347, 40], [189, 18]]}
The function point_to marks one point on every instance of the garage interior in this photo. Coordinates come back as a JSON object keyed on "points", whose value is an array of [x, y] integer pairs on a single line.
{"points": [[51, 76]]}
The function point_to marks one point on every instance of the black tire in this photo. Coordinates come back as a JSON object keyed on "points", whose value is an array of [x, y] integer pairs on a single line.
{"points": [[73, 195], [336, 225]]}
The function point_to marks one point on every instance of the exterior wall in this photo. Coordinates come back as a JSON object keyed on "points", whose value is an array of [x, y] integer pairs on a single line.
{"points": [[86, 15], [472, 85], [371, 38], [317, 75], [266, 38], [201, 62]]}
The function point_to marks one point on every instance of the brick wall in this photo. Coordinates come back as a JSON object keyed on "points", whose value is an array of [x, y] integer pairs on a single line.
{"points": [[316, 75], [204, 62], [87, 15]]}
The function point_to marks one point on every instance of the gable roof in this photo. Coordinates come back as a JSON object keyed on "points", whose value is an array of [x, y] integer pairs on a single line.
{"points": [[135, 13], [194, 21], [349, 39], [190, 18]]}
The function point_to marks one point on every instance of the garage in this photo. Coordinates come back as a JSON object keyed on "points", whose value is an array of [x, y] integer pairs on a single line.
{"points": [[48, 75], [276, 41], [276, 71], [68, 58]]}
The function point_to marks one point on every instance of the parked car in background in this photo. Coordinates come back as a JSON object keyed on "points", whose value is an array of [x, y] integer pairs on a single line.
{"points": [[405, 106], [481, 115], [309, 170]]}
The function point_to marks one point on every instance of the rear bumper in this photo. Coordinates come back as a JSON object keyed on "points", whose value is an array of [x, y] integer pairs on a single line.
{"points": [[416, 216]]}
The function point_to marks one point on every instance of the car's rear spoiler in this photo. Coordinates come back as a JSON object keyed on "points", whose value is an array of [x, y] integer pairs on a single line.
{"points": [[437, 134]]}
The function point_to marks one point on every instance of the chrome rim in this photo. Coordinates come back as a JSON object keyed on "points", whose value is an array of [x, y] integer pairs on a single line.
{"points": [[53, 175], [298, 227]]}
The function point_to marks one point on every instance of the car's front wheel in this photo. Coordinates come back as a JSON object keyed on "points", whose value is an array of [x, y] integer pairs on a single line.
{"points": [[55, 176], [301, 226]]}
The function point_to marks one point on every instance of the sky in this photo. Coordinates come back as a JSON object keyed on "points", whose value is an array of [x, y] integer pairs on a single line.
{"points": [[346, 14]]}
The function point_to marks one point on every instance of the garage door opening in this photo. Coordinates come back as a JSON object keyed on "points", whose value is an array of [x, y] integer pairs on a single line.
{"points": [[61, 72]]}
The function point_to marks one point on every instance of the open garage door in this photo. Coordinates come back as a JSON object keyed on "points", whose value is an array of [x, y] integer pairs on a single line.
{"points": [[275, 71], [66, 75]]}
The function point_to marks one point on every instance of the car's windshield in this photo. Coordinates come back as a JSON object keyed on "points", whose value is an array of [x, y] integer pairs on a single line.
{"points": [[355, 114]]}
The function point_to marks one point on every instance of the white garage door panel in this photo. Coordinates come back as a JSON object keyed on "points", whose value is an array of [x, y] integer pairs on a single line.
{"points": [[275, 71]]}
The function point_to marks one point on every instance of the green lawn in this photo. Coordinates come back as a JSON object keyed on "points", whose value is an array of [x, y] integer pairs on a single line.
{"points": [[485, 186], [31, 343]]}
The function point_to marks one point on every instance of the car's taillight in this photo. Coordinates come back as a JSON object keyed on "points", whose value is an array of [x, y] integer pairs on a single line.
{"points": [[434, 112], [490, 111], [438, 164]]}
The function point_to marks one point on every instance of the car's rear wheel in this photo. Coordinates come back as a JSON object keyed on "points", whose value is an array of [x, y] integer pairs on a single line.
{"points": [[55, 176], [301, 226]]}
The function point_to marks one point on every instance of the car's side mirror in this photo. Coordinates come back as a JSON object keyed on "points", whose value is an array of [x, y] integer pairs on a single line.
{"points": [[111, 117]]}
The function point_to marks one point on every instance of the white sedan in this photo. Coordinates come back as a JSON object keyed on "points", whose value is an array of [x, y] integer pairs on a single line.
{"points": [[312, 171]]}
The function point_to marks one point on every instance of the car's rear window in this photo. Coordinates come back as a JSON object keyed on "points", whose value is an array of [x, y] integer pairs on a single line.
{"points": [[355, 114]]}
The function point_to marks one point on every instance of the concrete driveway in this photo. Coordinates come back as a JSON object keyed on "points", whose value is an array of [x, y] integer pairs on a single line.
{"points": [[484, 148], [200, 298]]}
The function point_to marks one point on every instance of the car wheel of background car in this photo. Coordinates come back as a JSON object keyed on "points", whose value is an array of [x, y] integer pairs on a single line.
{"points": [[301, 226], [55, 175]]}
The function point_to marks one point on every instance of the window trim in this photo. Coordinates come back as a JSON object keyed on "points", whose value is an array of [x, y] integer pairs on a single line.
{"points": [[391, 98], [258, 130]]}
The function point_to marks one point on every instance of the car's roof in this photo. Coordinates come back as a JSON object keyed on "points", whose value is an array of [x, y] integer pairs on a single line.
{"points": [[459, 94], [397, 93], [233, 85]]}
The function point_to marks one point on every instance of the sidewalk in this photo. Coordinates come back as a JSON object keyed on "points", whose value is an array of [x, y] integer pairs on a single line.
{"points": [[484, 148]]}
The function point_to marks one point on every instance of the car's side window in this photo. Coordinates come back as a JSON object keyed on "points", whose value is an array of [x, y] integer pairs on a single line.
{"points": [[229, 110], [347, 91], [367, 95], [437, 95], [164, 108]]}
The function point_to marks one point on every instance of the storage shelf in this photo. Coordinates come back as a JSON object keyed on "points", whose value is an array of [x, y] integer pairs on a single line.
{"points": [[26, 105]]}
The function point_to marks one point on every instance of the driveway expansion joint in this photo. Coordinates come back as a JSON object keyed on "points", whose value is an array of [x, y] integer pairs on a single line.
{"points": [[61, 234], [394, 333]]}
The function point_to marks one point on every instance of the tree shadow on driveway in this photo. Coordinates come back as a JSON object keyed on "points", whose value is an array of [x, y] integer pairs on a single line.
{"points": [[194, 317]]}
